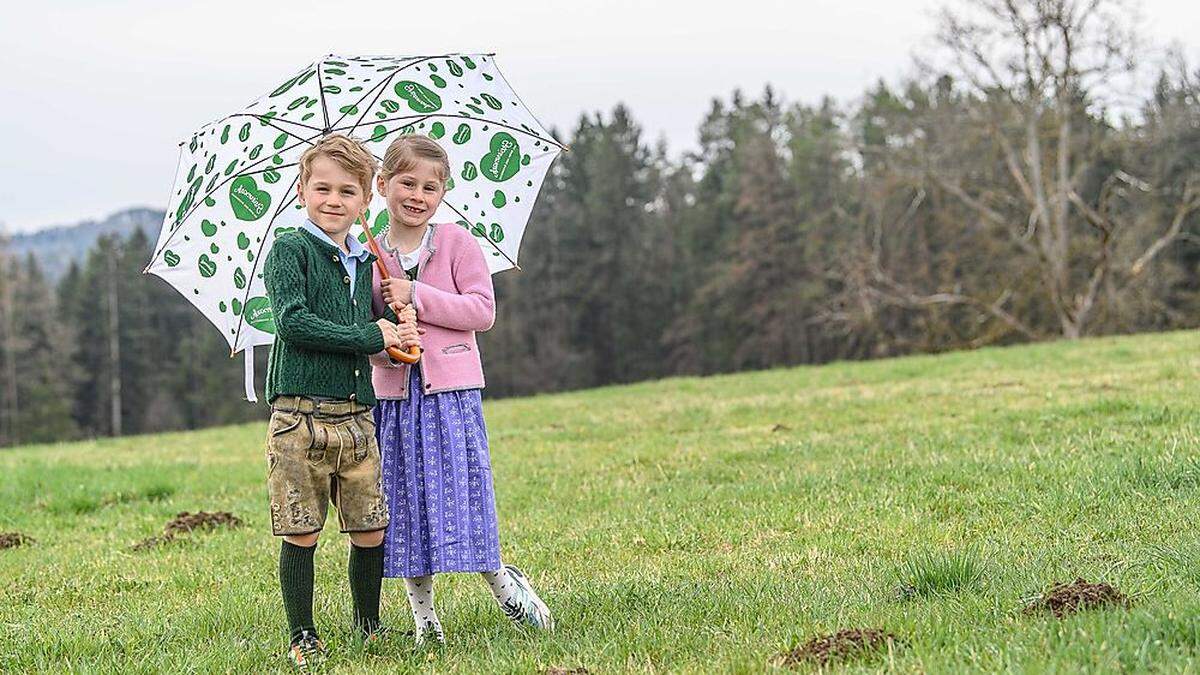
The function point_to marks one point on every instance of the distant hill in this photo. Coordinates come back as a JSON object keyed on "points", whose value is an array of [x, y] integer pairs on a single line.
{"points": [[56, 247]]}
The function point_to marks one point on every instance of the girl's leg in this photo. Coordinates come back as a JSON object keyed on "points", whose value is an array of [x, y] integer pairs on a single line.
{"points": [[420, 599], [517, 599]]}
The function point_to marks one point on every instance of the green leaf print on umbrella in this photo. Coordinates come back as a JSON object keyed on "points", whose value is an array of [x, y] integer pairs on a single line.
{"points": [[208, 227], [231, 168], [491, 101], [497, 233], [455, 69], [503, 161], [239, 278], [379, 133], [248, 202], [258, 314], [225, 135], [207, 266], [478, 230], [280, 141], [470, 63], [420, 98], [299, 79], [389, 105], [186, 202], [462, 135], [499, 200], [244, 133], [255, 152], [212, 161], [348, 109], [236, 305], [171, 258], [214, 248], [469, 171], [437, 130], [243, 242]]}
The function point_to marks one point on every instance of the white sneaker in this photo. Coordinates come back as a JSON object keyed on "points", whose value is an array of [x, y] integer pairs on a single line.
{"points": [[526, 607]]}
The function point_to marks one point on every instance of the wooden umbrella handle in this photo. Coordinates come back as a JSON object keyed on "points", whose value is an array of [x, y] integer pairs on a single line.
{"points": [[414, 353]]}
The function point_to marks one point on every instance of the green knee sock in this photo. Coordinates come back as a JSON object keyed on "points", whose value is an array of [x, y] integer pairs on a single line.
{"points": [[366, 577], [296, 582]]}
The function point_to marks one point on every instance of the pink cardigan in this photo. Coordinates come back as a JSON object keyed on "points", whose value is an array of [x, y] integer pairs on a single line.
{"points": [[454, 299]]}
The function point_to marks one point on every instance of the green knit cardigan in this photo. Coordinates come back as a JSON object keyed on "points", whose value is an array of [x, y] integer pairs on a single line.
{"points": [[322, 335]]}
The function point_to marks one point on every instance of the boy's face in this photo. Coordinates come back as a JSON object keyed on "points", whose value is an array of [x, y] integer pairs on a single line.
{"points": [[413, 196], [333, 197]]}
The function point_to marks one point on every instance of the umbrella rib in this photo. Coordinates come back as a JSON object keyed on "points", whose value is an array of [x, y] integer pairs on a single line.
{"points": [[213, 191], [519, 130], [379, 89], [321, 91], [258, 257], [487, 239], [266, 119], [522, 102]]}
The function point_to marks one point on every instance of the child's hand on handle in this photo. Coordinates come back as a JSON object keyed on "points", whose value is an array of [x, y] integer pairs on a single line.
{"points": [[396, 291], [391, 333]]}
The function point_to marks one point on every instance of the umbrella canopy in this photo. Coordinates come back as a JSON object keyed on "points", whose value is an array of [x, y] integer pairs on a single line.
{"points": [[235, 187]]}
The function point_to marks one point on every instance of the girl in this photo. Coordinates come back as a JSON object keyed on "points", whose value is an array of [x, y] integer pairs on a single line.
{"points": [[437, 475]]}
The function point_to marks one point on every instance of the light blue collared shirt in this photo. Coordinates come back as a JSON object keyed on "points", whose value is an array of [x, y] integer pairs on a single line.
{"points": [[350, 259]]}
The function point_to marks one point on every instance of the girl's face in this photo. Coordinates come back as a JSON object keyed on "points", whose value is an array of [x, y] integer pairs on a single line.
{"points": [[414, 195]]}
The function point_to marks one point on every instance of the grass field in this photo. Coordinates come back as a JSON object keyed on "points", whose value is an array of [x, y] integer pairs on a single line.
{"points": [[690, 525]]}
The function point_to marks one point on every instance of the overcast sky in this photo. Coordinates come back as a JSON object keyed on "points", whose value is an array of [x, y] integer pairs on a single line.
{"points": [[96, 95]]}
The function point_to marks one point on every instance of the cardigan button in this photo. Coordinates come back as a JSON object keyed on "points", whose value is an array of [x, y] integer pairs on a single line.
{"points": [[356, 372], [352, 397], [333, 257], [346, 280]]}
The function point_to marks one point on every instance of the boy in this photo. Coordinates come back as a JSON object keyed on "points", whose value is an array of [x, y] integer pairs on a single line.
{"points": [[321, 439]]}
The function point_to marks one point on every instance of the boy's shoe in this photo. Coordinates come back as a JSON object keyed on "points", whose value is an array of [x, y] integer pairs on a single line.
{"points": [[526, 608], [306, 652]]}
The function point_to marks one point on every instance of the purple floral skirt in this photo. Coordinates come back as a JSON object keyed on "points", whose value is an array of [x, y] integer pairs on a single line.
{"points": [[437, 478]]}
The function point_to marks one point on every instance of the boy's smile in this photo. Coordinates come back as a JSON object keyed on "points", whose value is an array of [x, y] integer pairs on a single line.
{"points": [[333, 198], [414, 195]]}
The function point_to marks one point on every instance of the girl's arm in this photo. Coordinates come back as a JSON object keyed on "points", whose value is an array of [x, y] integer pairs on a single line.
{"points": [[283, 275], [472, 308]]}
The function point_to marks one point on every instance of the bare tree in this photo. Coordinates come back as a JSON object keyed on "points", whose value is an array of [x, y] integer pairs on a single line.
{"points": [[1040, 68]]}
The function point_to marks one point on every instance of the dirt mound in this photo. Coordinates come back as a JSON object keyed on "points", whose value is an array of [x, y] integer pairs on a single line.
{"points": [[14, 539], [185, 523], [843, 644], [1064, 599]]}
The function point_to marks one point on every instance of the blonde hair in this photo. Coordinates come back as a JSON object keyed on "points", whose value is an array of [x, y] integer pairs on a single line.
{"points": [[404, 153], [348, 153]]}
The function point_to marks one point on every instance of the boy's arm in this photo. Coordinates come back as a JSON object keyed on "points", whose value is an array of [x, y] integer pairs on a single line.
{"points": [[472, 308], [283, 274]]}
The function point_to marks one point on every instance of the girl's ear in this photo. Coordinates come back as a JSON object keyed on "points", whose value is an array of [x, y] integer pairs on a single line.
{"points": [[381, 185]]}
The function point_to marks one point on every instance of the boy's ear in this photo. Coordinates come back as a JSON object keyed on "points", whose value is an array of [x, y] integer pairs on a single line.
{"points": [[300, 192]]}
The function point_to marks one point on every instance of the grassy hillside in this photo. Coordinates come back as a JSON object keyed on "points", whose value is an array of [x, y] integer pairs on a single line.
{"points": [[693, 525]]}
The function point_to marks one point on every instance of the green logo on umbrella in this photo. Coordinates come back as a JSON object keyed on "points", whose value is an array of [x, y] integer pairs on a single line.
{"points": [[419, 97], [258, 314], [248, 202], [504, 160]]}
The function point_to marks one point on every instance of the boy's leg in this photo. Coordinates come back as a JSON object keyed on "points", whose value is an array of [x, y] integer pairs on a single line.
{"points": [[362, 511], [366, 578], [296, 583]]}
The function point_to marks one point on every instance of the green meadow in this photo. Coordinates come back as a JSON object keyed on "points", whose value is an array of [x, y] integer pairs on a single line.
{"points": [[689, 525]]}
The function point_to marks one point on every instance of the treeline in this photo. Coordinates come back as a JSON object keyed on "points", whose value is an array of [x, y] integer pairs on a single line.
{"points": [[1001, 197]]}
